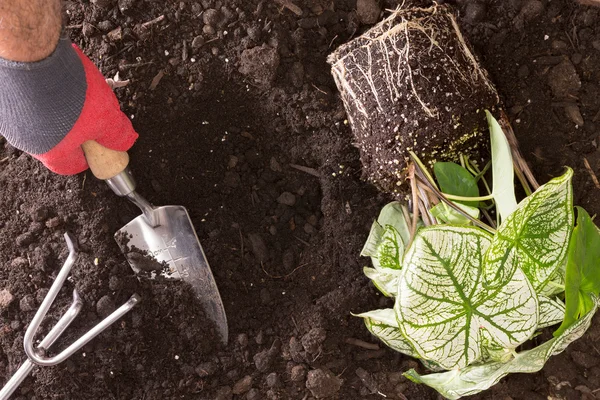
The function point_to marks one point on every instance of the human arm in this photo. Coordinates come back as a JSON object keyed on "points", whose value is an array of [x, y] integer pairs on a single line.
{"points": [[52, 97]]}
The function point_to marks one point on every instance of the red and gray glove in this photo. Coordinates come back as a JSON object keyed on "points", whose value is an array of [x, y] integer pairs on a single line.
{"points": [[50, 107]]}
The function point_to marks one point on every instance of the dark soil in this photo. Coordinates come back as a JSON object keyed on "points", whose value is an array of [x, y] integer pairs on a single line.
{"points": [[240, 121]]}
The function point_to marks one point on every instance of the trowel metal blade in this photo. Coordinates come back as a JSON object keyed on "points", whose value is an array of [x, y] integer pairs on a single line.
{"points": [[174, 244]]}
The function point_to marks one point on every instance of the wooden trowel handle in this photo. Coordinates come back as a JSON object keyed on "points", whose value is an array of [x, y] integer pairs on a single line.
{"points": [[104, 162]]}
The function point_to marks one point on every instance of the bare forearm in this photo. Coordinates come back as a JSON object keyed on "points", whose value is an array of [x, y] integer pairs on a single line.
{"points": [[29, 29]]}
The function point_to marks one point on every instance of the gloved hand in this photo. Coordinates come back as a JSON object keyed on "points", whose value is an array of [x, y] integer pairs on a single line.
{"points": [[50, 107]]}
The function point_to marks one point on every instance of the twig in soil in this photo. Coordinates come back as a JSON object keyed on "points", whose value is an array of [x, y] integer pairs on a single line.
{"points": [[5, 159], [281, 276], [596, 117], [153, 21], [308, 170], [156, 80], [83, 182], [77, 26], [135, 65], [290, 6], [370, 354], [304, 242], [319, 90], [332, 40], [591, 172], [124, 49], [362, 343], [241, 248]]}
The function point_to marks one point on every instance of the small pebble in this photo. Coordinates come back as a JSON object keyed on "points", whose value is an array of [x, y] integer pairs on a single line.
{"points": [[106, 26], [564, 80], [322, 383], [206, 369], [105, 306], [260, 337], [25, 239], [263, 360], [19, 262], [53, 223], [243, 385], [27, 303], [6, 298], [87, 29], [298, 373], [40, 214], [242, 340], [258, 247], [212, 17], [313, 339], [253, 394], [272, 380], [114, 283], [368, 11], [198, 42], [287, 198], [208, 30], [574, 114]]}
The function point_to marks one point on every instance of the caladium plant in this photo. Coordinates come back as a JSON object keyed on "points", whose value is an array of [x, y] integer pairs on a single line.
{"points": [[468, 295]]}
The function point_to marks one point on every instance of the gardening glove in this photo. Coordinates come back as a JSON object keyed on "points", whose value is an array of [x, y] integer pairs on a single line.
{"points": [[50, 107]]}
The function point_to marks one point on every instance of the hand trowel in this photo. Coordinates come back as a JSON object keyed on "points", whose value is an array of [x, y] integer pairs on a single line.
{"points": [[164, 235]]}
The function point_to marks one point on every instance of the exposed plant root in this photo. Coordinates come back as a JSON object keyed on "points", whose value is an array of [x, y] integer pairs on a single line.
{"points": [[411, 83]]}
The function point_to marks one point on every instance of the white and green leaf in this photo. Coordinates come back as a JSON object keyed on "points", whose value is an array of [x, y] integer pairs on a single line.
{"points": [[534, 237], [388, 238], [383, 325], [477, 378], [552, 311], [503, 175], [442, 307], [385, 280]]}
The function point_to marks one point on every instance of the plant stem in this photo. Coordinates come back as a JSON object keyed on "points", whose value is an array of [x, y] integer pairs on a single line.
{"points": [[463, 198], [423, 169]]}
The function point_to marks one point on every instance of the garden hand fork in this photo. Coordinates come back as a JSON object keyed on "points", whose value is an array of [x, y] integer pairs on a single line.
{"points": [[37, 356]]}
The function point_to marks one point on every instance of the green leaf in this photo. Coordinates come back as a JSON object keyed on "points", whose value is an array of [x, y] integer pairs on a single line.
{"points": [[456, 180], [476, 378], [447, 214], [535, 236], [503, 175], [582, 281], [393, 215], [442, 307], [383, 324]]}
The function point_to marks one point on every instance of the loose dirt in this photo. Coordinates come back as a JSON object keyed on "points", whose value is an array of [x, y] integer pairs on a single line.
{"points": [[240, 121]]}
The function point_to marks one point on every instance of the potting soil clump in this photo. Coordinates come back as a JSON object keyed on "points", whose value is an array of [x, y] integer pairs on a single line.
{"points": [[411, 83]]}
